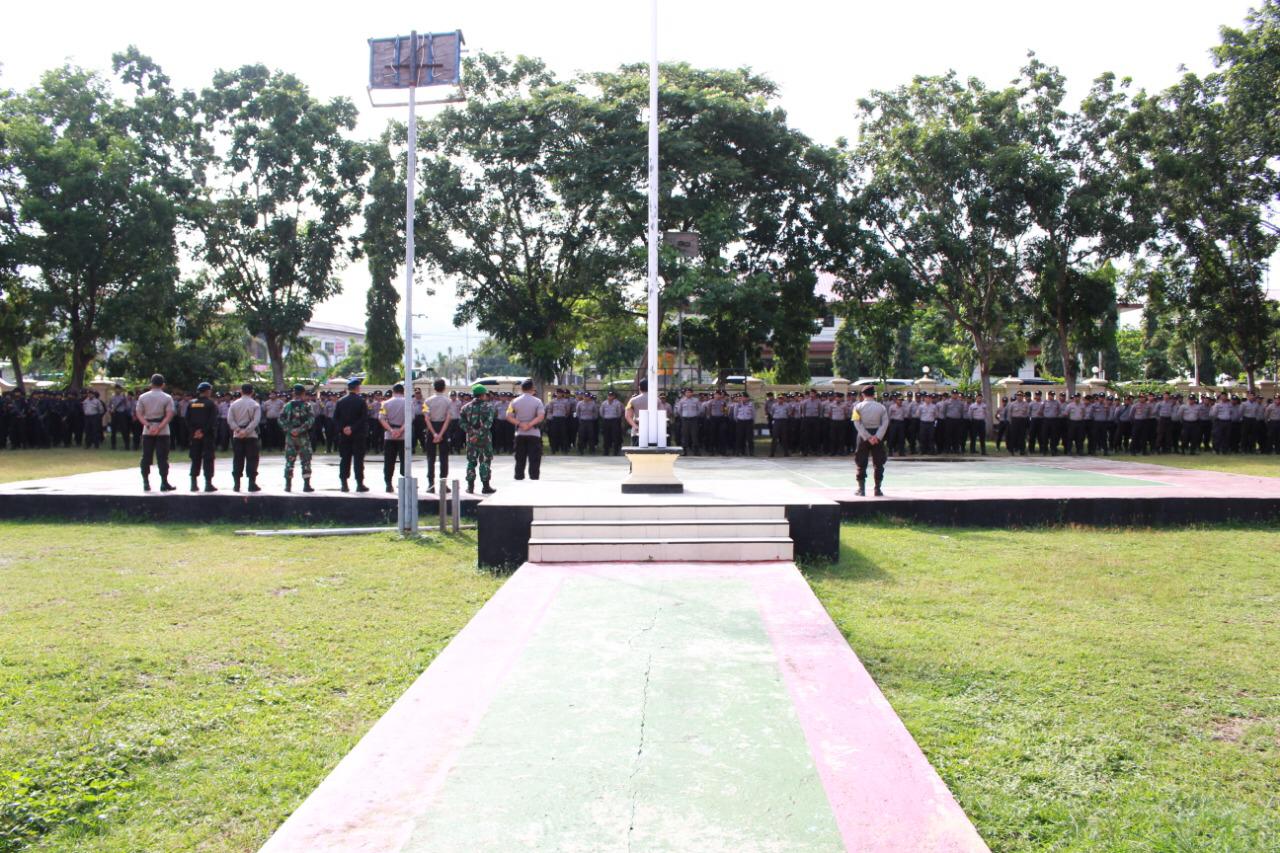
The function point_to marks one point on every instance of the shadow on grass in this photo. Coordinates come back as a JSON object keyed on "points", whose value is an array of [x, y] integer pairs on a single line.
{"points": [[854, 565]]}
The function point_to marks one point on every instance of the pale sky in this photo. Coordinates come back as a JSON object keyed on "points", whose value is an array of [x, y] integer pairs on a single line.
{"points": [[824, 55]]}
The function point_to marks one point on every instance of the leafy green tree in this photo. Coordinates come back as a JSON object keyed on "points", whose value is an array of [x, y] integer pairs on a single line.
{"points": [[285, 184], [510, 208], [751, 187], [1212, 190], [1088, 208], [383, 245], [182, 331], [22, 320], [96, 208], [492, 358], [945, 164]]}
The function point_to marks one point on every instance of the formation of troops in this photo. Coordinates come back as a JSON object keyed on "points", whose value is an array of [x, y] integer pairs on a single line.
{"points": [[483, 423]]}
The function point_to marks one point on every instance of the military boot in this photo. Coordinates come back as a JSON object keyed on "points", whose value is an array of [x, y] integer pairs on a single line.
{"points": [[194, 486], [208, 485], [288, 482], [471, 487], [345, 487], [361, 487], [306, 485], [253, 485], [487, 490], [862, 487], [146, 484], [235, 484]]}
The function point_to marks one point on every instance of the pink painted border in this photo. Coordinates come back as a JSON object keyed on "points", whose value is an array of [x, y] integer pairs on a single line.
{"points": [[369, 802], [885, 794]]}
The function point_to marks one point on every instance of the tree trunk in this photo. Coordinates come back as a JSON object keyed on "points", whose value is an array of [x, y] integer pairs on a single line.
{"points": [[1068, 360], [16, 360], [81, 358], [275, 354], [1249, 374]]}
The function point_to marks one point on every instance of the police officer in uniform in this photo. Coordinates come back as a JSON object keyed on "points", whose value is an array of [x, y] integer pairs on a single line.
{"points": [[611, 424], [871, 420], [244, 416], [351, 421], [202, 427]]}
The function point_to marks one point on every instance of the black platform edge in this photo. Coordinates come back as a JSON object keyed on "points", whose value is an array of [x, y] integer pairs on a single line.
{"points": [[653, 488], [223, 506], [1090, 512], [503, 532]]}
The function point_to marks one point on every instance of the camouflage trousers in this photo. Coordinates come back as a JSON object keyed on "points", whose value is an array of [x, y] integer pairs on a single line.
{"points": [[297, 447], [479, 455]]}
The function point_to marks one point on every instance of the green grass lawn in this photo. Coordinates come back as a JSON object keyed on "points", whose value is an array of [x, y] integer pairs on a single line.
{"points": [[1080, 690], [168, 688], [61, 462], [1253, 465]]}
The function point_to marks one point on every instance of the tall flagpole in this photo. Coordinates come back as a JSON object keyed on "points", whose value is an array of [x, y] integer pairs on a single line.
{"points": [[408, 488], [651, 438]]}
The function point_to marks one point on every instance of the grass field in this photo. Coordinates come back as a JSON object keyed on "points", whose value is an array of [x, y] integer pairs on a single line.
{"points": [[164, 688], [1080, 690], [1252, 465], [61, 462]]}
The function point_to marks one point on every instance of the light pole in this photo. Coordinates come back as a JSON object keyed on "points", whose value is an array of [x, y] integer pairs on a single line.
{"points": [[649, 433], [408, 62]]}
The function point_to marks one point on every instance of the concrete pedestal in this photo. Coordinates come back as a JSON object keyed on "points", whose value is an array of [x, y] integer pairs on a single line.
{"points": [[652, 470]]}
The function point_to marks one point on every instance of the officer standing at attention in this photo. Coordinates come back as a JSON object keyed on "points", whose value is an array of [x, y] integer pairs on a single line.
{"points": [[392, 419], [202, 427], [154, 411], [588, 413], [611, 424], [978, 424], [351, 420], [525, 413], [476, 418], [296, 419], [436, 436], [871, 420], [243, 417], [744, 426], [689, 411]]}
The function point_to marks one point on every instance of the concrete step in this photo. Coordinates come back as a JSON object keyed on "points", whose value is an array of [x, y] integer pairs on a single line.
{"points": [[657, 512], [686, 528], [670, 549]]}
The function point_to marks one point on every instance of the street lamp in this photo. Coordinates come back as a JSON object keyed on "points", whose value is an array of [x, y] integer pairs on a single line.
{"points": [[409, 62]]}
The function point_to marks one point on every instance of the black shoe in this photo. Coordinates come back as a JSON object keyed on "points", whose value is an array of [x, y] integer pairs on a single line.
{"points": [[471, 487], [166, 486], [306, 485], [146, 485], [254, 487], [431, 487], [235, 485], [194, 487], [361, 487], [862, 491], [878, 493], [488, 490], [345, 487], [288, 485], [209, 487], [390, 490]]}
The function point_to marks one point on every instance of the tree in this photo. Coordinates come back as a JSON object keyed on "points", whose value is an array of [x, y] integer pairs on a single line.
{"points": [[1212, 189], [945, 165], [181, 330], [383, 246], [285, 186], [1088, 208], [510, 208], [95, 195], [752, 188], [21, 320]]}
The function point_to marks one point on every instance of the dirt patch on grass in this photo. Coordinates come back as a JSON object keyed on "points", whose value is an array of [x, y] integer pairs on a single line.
{"points": [[1232, 729], [281, 591]]}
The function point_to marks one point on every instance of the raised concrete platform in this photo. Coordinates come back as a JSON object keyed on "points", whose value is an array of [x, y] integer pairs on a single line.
{"points": [[577, 522], [996, 491], [617, 707]]}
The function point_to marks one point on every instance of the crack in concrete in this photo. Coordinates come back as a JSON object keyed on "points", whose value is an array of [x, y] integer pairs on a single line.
{"points": [[644, 710]]}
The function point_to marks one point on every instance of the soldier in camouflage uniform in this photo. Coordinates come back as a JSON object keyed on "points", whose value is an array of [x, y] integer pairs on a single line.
{"points": [[477, 422], [296, 420]]}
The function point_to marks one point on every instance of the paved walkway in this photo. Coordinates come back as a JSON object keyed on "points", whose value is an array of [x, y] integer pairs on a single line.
{"points": [[708, 707]]}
